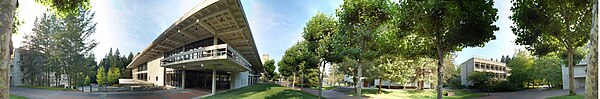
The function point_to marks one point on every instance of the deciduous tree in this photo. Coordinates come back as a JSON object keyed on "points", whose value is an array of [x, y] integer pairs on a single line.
{"points": [[318, 35], [360, 22], [448, 26], [101, 76], [550, 26]]}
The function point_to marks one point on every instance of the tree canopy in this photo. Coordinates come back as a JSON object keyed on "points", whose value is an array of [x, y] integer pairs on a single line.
{"points": [[448, 25], [65, 7], [551, 26]]}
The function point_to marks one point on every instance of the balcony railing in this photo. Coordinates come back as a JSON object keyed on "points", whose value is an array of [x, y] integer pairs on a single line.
{"points": [[207, 53]]}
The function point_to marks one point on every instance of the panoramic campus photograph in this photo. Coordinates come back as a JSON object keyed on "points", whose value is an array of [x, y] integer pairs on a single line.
{"points": [[299, 49]]}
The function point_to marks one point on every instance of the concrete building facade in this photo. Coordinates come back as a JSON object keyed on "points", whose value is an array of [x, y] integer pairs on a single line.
{"points": [[16, 71], [210, 47], [579, 75], [481, 64]]}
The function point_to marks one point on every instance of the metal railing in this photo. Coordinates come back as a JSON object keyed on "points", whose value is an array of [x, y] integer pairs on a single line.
{"points": [[207, 52]]}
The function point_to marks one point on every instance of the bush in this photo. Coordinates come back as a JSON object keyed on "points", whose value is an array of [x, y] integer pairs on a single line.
{"points": [[504, 86], [454, 83], [482, 80]]}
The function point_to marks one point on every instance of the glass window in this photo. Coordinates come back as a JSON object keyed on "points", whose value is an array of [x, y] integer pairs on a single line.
{"points": [[142, 67]]}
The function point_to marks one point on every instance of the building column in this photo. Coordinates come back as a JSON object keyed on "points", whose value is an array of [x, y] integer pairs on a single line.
{"points": [[164, 76], [214, 82], [183, 79]]}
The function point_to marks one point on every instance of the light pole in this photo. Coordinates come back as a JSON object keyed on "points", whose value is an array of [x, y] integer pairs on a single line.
{"points": [[105, 80]]}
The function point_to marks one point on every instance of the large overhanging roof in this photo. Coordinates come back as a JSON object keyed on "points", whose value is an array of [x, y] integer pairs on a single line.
{"points": [[223, 18]]}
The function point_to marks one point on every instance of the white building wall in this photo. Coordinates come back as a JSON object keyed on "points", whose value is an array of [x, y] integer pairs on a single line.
{"points": [[465, 69], [578, 71], [15, 71], [490, 66], [239, 79], [155, 71], [386, 83]]}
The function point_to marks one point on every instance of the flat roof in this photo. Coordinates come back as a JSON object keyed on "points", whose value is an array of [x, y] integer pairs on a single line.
{"points": [[224, 19]]}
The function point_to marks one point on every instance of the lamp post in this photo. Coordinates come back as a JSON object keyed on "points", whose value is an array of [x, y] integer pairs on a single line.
{"points": [[105, 80]]}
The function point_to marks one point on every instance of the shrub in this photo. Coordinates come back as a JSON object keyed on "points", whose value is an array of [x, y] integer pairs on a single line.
{"points": [[482, 80]]}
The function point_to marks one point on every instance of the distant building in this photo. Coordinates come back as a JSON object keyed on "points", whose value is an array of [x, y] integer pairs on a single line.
{"points": [[385, 83], [16, 72], [579, 75], [264, 58], [482, 65], [19, 71], [579, 72]]}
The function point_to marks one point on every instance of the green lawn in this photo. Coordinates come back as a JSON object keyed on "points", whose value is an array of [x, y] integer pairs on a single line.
{"points": [[263, 91], [567, 97], [11, 96], [324, 87], [410, 94], [48, 88]]}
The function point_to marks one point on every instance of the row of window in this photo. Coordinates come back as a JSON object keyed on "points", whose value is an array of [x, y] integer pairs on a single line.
{"points": [[194, 45], [489, 66], [142, 67], [142, 76]]}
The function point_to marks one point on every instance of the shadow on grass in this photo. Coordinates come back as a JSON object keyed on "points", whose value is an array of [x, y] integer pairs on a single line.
{"points": [[262, 91], [244, 91], [289, 93], [351, 91]]}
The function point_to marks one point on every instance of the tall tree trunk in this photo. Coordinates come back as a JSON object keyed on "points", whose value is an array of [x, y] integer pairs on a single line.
{"points": [[294, 81], [302, 80], [571, 74], [591, 81], [440, 71], [380, 79], [321, 73], [359, 83], [7, 13]]}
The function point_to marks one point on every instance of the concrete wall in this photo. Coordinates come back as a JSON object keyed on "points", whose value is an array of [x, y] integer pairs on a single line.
{"points": [[465, 69], [15, 71], [239, 79], [155, 71], [579, 71]]}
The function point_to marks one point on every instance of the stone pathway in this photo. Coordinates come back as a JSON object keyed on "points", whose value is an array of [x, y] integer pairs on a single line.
{"points": [[162, 94], [529, 94]]}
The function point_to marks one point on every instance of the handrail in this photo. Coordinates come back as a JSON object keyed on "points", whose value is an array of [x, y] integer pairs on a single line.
{"points": [[209, 51]]}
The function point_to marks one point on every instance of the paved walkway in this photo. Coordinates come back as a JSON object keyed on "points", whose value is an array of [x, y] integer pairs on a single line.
{"points": [[162, 94], [329, 94], [530, 94]]}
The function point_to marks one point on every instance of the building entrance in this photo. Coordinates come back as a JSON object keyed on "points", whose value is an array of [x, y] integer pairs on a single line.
{"points": [[198, 79]]}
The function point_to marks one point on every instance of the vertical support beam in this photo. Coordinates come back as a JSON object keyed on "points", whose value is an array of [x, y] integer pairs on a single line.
{"points": [[164, 77], [215, 42], [183, 79], [214, 82]]}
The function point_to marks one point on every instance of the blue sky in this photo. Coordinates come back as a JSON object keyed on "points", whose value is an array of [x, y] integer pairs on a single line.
{"points": [[131, 25]]}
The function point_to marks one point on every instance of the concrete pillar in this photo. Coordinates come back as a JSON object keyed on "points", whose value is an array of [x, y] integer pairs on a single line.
{"points": [[233, 82], [215, 42], [164, 77], [214, 81], [183, 79]]}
